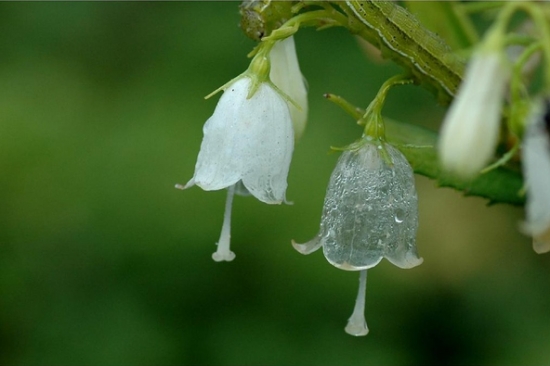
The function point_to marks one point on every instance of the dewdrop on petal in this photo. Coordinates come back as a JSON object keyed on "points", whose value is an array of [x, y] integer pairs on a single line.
{"points": [[370, 212], [536, 170]]}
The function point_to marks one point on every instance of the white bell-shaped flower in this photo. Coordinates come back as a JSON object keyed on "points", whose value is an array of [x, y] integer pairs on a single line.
{"points": [[286, 75], [247, 147], [536, 170], [370, 212], [248, 140], [470, 131]]}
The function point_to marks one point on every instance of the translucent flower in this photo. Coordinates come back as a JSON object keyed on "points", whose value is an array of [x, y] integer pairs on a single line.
{"points": [[470, 131], [286, 75], [370, 212], [247, 148], [536, 170]]}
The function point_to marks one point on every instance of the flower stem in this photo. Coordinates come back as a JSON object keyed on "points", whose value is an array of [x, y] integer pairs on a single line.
{"points": [[372, 119], [357, 325], [224, 253]]}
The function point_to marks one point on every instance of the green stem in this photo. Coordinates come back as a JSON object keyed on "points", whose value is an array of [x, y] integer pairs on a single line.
{"points": [[465, 23], [372, 119], [481, 6]]}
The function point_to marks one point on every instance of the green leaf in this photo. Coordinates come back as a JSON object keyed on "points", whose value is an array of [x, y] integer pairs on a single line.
{"points": [[501, 185]]}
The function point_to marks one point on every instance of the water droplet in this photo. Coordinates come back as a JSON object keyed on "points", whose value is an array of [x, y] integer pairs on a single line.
{"points": [[399, 216]]}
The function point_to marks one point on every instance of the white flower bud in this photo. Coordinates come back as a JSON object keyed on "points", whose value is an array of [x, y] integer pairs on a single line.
{"points": [[470, 131], [286, 75], [536, 171]]}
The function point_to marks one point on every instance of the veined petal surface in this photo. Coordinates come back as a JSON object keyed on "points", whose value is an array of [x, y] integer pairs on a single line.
{"points": [[249, 140], [370, 211]]}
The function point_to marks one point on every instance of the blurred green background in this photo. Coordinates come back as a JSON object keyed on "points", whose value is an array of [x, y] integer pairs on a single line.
{"points": [[102, 261]]}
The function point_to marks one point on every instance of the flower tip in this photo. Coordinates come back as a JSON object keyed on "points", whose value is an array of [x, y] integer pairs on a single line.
{"points": [[220, 256], [309, 247], [189, 184], [541, 247], [357, 327]]}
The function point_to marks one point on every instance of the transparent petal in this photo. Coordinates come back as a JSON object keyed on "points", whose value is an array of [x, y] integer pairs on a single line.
{"points": [[370, 211], [286, 75], [309, 247]]}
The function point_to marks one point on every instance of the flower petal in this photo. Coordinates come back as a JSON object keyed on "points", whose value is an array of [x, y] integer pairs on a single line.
{"points": [[286, 75], [269, 143], [370, 211], [249, 140], [309, 247], [220, 162]]}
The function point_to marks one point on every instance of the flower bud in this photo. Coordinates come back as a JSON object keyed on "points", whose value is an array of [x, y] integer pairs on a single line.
{"points": [[470, 131]]}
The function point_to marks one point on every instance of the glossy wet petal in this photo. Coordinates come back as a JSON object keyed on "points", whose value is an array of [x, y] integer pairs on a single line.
{"points": [[308, 247], [370, 211]]}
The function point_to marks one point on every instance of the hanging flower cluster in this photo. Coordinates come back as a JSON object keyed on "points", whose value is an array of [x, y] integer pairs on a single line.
{"points": [[370, 210]]}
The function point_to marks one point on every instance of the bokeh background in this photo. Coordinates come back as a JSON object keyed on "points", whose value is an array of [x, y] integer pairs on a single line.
{"points": [[102, 261]]}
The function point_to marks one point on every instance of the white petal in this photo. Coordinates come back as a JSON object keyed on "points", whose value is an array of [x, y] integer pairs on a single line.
{"points": [[471, 127], [220, 162], [249, 140], [536, 170], [269, 141], [286, 75], [370, 211]]}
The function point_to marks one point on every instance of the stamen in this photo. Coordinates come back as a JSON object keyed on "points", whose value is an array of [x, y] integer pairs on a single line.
{"points": [[357, 325], [224, 253]]}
